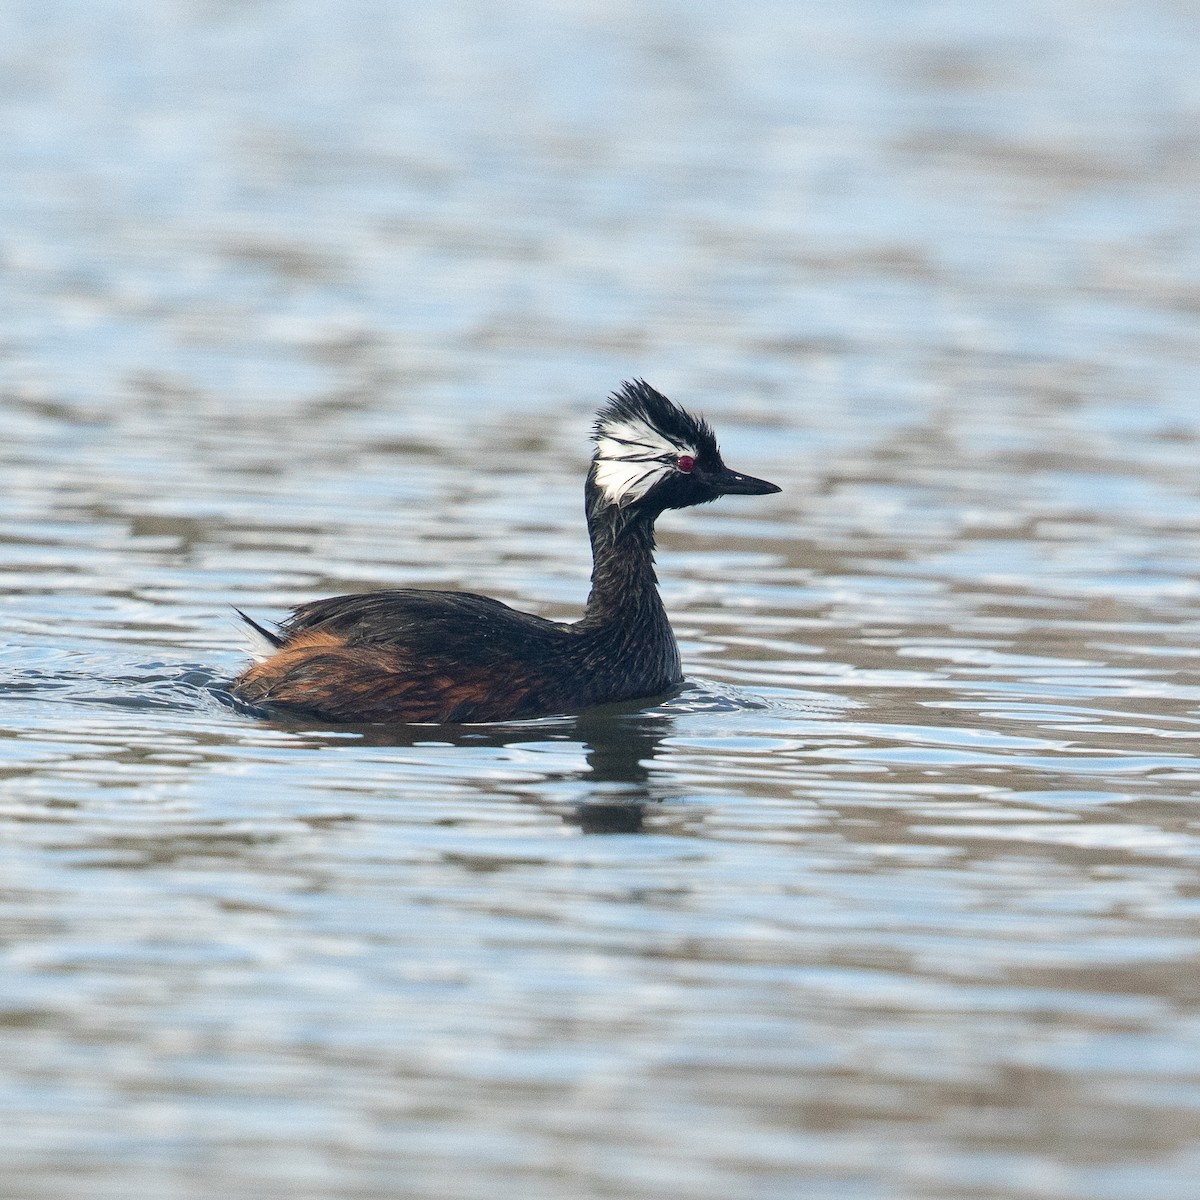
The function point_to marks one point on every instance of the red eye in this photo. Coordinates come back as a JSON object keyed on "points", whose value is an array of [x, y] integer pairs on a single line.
{"points": [[685, 462]]}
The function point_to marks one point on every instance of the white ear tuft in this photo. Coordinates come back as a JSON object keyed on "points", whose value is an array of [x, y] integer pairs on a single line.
{"points": [[631, 457]]}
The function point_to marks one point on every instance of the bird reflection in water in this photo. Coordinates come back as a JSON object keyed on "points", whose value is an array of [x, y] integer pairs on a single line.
{"points": [[619, 750], [619, 742]]}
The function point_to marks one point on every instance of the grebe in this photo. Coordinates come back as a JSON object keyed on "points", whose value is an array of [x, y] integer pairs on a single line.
{"points": [[426, 656]]}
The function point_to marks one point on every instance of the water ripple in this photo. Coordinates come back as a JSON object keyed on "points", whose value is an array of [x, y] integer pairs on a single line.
{"points": [[896, 896]]}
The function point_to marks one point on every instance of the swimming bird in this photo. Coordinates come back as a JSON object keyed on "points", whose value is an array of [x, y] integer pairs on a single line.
{"points": [[415, 655]]}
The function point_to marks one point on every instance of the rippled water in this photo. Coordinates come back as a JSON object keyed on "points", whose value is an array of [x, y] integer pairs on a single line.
{"points": [[898, 897]]}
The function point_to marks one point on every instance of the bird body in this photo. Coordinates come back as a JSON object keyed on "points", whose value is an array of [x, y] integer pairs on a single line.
{"points": [[414, 655]]}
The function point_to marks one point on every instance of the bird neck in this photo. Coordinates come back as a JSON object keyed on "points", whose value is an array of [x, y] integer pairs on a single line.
{"points": [[630, 646], [624, 586]]}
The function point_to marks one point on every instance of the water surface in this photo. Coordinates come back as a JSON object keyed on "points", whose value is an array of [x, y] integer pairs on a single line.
{"points": [[897, 898]]}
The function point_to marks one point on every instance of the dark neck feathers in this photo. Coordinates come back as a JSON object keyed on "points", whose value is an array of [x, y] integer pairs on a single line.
{"points": [[624, 586], [625, 623]]}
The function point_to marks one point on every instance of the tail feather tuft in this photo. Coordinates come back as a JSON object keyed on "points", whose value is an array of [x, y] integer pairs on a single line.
{"points": [[263, 643]]}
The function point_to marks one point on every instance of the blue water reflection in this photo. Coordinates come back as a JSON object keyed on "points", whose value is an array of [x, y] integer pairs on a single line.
{"points": [[896, 897]]}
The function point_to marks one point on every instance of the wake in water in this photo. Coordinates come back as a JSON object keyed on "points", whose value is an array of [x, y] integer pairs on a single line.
{"points": [[87, 678]]}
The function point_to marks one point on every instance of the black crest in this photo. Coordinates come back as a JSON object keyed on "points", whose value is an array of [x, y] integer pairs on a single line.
{"points": [[635, 401]]}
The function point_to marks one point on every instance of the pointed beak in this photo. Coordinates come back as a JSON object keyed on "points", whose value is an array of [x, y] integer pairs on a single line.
{"points": [[734, 484]]}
